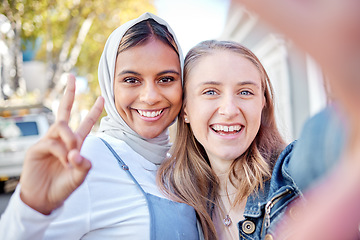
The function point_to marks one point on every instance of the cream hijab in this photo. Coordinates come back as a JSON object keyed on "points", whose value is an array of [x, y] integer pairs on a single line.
{"points": [[154, 149]]}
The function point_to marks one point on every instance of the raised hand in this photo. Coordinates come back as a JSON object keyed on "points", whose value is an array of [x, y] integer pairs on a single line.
{"points": [[53, 167]]}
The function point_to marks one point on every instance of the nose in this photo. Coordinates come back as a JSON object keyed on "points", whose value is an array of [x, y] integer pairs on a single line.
{"points": [[229, 107], [150, 94]]}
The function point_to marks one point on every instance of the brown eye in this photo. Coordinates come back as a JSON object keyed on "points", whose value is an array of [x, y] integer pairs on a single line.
{"points": [[166, 79], [131, 80]]}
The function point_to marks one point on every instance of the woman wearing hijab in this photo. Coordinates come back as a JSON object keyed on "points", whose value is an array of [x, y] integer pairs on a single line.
{"points": [[140, 75]]}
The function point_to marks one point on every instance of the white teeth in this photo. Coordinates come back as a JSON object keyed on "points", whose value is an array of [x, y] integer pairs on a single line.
{"points": [[149, 113], [233, 128]]}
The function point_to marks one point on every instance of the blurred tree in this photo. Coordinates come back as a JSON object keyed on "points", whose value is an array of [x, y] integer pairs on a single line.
{"points": [[72, 34], [14, 13]]}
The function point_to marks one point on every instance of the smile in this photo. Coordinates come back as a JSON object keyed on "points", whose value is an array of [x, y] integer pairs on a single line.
{"points": [[222, 129], [150, 114]]}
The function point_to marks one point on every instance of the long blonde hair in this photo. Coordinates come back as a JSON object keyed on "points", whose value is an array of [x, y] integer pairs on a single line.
{"points": [[187, 176]]}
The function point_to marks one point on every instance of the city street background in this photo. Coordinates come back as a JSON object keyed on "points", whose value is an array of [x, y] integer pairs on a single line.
{"points": [[192, 21], [297, 79]]}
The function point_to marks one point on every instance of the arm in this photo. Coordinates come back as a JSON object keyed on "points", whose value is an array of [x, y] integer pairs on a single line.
{"points": [[19, 221], [332, 207], [318, 149], [330, 32], [53, 169]]}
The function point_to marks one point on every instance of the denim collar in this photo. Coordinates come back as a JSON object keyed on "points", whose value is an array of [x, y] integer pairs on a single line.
{"points": [[280, 181]]}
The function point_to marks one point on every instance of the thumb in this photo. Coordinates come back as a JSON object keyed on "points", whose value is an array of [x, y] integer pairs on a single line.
{"points": [[81, 166]]}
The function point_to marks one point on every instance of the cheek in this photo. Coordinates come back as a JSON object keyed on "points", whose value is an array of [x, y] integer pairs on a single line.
{"points": [[253, 115], [176, 100], [199, 116], [190, 107], [176, 95], [121, 102]]}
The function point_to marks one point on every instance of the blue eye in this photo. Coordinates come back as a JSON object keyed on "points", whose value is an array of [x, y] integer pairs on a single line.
{"points": [[245, 92], [210, 92]]}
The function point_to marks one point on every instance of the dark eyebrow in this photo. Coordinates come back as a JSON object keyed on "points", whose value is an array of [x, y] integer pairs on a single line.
{"points": [[159, 74], [128, 72], [168, 72]]}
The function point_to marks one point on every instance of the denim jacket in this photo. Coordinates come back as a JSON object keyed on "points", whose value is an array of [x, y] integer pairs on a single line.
{"points": [[300, 164]]}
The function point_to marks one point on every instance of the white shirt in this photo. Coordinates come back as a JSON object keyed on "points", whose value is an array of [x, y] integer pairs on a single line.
{"points": [[108, 205]]}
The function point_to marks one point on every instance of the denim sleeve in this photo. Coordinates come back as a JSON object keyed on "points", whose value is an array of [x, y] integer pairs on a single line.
{"points": [[318, 149]]}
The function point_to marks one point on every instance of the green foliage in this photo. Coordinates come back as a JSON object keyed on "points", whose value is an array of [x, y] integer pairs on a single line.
{"points": [[57, 21], [109, 15], [29, 13]]}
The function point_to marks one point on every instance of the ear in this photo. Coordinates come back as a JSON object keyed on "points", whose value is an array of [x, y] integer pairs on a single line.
{"points": [[186, 118], [263, 101]]}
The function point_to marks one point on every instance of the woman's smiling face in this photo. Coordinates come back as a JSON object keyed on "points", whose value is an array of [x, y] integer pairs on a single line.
{"points": [[147, 87], [223, 104]]}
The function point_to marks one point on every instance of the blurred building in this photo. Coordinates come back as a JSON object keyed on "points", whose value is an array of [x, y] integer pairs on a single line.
{"points": [[297, 80], [5, 58]]}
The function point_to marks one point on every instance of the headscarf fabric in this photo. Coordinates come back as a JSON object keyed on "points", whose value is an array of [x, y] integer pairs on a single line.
{"points": [[154, 149]]}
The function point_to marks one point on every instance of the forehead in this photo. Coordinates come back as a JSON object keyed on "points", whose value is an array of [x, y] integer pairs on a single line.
{"points": [[221, 66], [151, 54]]}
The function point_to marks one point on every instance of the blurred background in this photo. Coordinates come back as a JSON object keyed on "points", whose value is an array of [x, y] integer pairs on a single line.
{"points": [[42, 41]]}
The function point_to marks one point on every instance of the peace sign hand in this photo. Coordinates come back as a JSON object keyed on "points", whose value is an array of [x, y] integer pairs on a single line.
{"points": [[53, 167]]}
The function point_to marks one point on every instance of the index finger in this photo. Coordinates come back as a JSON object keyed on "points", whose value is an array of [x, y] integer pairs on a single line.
{"points": [[67, 100], [90, 119]]}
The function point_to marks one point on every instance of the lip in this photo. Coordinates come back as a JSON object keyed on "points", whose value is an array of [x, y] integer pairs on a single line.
{"points": [[153, 114], [227, 131]]}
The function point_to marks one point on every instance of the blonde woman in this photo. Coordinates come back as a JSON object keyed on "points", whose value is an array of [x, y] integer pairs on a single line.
{"points": [[229, 160]]}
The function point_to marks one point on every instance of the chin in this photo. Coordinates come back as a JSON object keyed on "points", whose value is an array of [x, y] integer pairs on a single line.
{"points": [[230, 156]]}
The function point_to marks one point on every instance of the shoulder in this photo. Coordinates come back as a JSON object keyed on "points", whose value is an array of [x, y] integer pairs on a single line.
{"points": [[92, 142], [96, 145], [319, 146], [280, 175], [284, 157], [93, 148], [99, 154], [286, 153]]}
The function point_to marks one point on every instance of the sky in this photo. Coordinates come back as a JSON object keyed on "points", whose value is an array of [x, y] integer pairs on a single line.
{"points": [[194, 20]]}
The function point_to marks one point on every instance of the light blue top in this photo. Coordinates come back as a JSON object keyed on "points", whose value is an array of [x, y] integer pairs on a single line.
{"points": [[168, 219]]}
